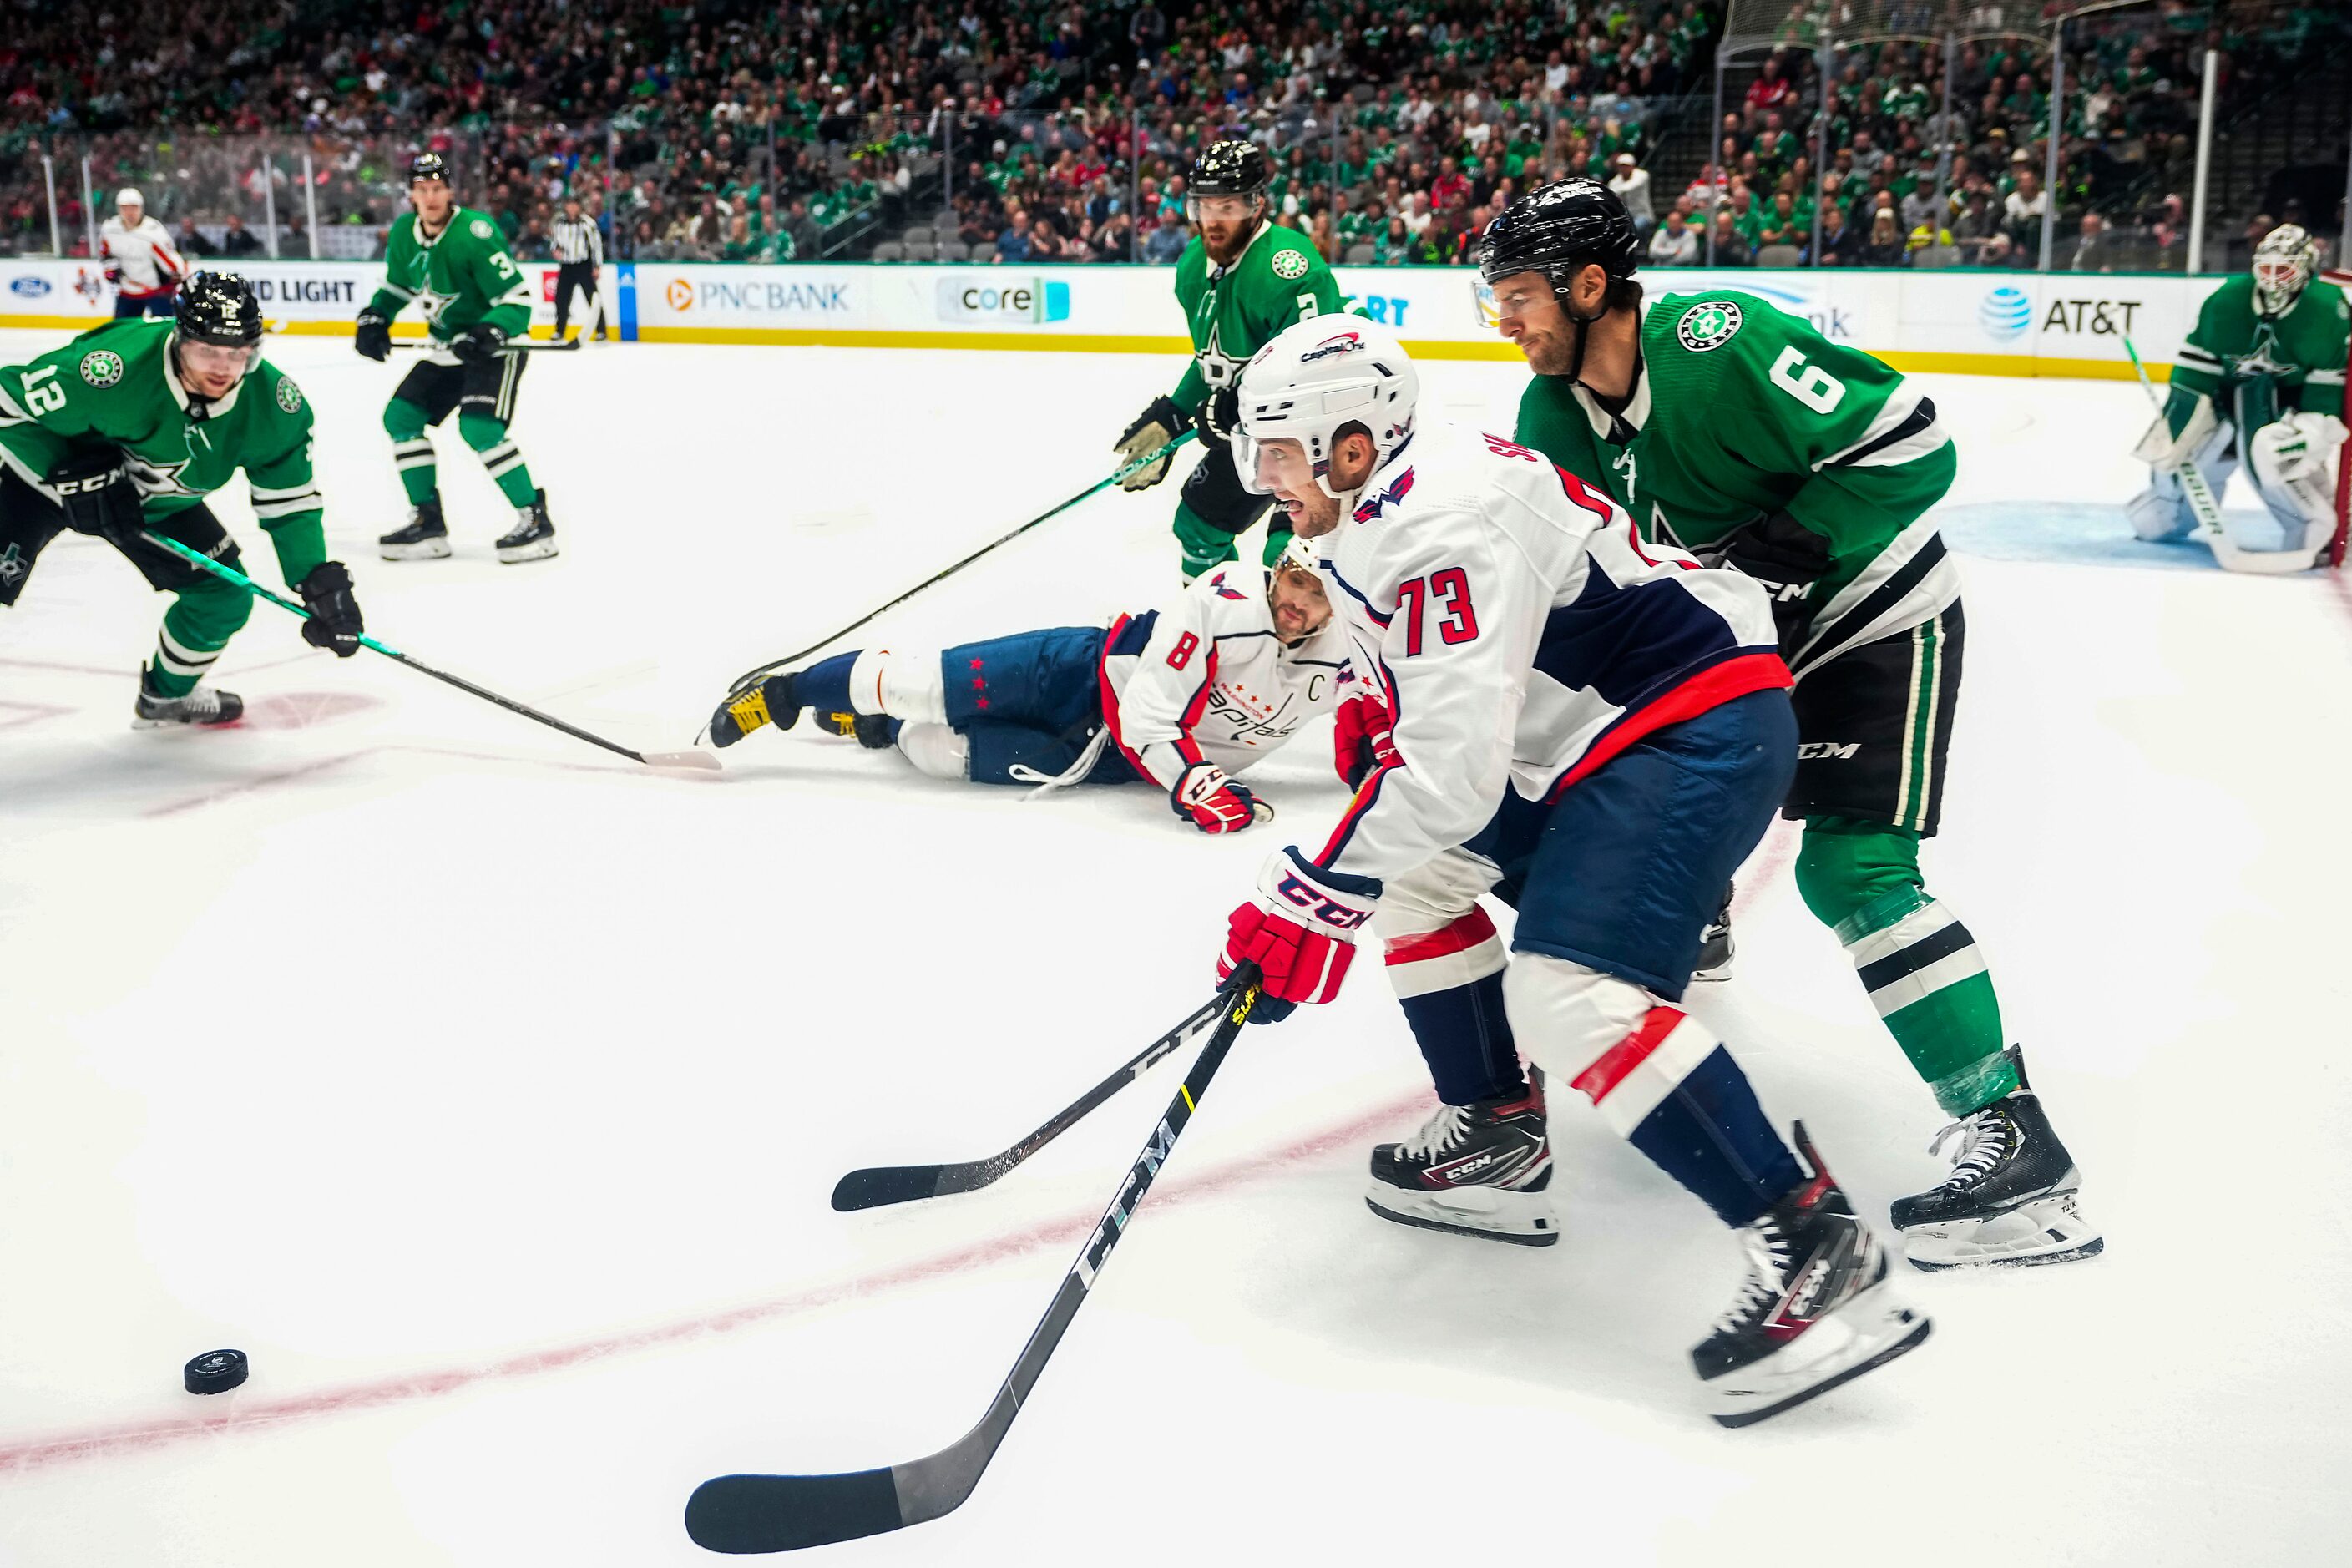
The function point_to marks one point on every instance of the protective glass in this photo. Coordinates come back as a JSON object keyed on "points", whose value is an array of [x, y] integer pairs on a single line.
{"points": [[219, 359]]}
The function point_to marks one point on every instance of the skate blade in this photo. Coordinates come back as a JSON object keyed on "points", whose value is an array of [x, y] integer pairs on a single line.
{"points": [[1715, 977], [1881, 1328], [187, 723], [2052, 1230], [425, 550], [537, 550], [1520, 1219]]}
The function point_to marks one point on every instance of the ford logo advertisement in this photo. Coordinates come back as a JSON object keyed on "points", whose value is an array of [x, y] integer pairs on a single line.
{"points": [[30, 288]]}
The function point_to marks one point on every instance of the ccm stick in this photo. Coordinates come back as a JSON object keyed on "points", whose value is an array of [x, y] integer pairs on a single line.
{"points": [[785, 1513], [880, 1185], [702, 761]]}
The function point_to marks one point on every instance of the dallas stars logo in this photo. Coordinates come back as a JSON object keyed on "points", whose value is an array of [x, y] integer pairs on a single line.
{"points": [[13, 567], [1707, 326], [101, 367], [154, 478]]}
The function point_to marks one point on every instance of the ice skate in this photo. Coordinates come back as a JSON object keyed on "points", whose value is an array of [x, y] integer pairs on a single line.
{"points": [[426, 537], [769, 702], [202, 706], [1479, 1170], [1714, 947], [2009, 1200], [1816, 1310], [532, 538]]}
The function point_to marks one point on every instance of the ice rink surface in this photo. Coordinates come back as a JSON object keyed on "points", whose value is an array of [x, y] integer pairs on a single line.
{"points": [[487, 1090]]}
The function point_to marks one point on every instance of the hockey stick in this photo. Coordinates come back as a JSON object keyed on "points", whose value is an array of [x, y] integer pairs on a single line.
{"points": [[877, 1186], [2202, 504], [784, 1513], [751, 677], [702, 760], [512, 345]]}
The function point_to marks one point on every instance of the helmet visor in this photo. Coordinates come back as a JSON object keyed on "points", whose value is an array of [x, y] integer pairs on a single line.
{"points": [[1219, 209], [219, 359], [1482, 296], [1270, 466]]}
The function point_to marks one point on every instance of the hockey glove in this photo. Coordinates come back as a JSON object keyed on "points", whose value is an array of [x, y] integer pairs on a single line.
{"points": [[2299, 445], [479, 344], [1154, 428], [1778, 550], [1212, 802], [334, 622], [114, 276], [1361, 741], [373, 338], [1220, 415], [1300, 931], [95, 491]]}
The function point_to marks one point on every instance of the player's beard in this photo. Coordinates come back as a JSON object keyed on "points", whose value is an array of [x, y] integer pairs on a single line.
{"points": [[1549, 355]]}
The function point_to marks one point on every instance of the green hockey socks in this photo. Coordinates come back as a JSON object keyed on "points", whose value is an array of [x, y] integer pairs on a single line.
{"points": [[412, 453]]}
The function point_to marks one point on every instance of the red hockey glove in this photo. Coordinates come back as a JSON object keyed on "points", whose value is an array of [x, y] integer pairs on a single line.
{"points": [[1213, 803], [1361, 741], [1300, 931]]}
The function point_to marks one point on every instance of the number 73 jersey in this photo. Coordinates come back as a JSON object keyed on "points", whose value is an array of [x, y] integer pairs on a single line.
{"points": [[1741, 411], [1521, 633]]}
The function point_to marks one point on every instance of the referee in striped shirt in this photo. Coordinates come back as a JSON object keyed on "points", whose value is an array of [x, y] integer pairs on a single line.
{"points": [[579, 255]]}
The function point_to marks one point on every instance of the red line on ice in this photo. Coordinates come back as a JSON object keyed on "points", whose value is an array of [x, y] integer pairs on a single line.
{"points": [[134, 1436]]}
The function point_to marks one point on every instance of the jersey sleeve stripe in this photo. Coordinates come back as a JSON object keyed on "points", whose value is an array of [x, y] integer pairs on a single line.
{"points": [[1902, 417], [391, 287], [1352, 593], [2324, 378]]}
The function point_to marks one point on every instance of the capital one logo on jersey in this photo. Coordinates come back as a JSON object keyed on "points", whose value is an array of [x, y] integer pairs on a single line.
{"points": [[999, 300]]}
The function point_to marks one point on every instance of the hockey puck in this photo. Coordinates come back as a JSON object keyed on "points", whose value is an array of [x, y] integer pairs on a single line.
{"points": [[1260, 811], [216, 1372]]}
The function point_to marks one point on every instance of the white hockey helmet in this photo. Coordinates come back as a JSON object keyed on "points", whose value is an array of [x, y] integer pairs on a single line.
{"points": [[2284, 264], [129, 197], [1313, 379]]}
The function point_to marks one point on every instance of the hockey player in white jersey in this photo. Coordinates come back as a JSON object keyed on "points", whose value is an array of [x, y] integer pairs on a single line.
{"points": [[140, 261], [1183, 699], [1597, 730]]}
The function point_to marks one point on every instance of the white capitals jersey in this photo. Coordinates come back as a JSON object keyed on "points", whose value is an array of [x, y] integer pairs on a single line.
{"points": [[149, 263], [1520, 633], [1207, 678]]}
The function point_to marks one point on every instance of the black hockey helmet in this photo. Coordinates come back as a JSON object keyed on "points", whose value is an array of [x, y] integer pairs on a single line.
{"points": [[1231, 167], [218, 308], [1560, 229], [429, 166]]}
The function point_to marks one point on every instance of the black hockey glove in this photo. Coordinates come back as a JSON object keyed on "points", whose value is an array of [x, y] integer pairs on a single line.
{"points": [[1220, 414], [95, 491], [1154, 428], [1778, 550], [334, 622], [373, 338], [479, 344]]}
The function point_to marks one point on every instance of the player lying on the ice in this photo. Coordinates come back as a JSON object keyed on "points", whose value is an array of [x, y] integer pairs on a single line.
{"points": [[1183, 698], [2262, 378], [1596, 730]]}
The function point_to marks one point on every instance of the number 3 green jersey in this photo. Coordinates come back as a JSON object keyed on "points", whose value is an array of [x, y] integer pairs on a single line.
{"points": [[1233, 311], [114, 387], [462, 276], [1740, 412]]}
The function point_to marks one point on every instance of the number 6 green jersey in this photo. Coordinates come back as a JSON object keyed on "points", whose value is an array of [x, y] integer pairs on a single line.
{"points": [[1233, 311], [1741, 411], [462, 276]]}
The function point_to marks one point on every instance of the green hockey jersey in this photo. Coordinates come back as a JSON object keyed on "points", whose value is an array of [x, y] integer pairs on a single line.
{"points": [[114, 386], [1741, 412], [1233, 311], [2302, 352], [462, 276]]}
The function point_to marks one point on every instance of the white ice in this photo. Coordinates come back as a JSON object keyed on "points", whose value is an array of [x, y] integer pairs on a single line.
{"points": [[487, 1090]]}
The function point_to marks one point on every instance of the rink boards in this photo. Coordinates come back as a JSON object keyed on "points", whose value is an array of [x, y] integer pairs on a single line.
{"points": [[1984, 323]]}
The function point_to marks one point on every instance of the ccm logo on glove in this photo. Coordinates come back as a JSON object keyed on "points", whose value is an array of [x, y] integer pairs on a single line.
{"points": [[1327, 911]]}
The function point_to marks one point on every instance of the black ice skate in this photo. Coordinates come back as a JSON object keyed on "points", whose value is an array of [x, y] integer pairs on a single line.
{"points": [[770, 702], [2009, 1199], [1715, 943], [1479, 1170], [1814, 1311], [532, 538], [871, 731], [426, 537], [202, 706]]}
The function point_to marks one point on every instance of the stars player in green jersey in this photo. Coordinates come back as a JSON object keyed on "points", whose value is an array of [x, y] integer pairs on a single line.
{"points": [[1740, 434], [454, 261], [126, 430], [1241, 280]]}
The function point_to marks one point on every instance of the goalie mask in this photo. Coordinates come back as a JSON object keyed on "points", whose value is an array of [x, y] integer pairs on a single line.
{"points": [[2284, 264], [1315, 378]]}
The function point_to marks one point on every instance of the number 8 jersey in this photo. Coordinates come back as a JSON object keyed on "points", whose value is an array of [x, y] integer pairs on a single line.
{"points": [[1521, 633], [1741, 411]]}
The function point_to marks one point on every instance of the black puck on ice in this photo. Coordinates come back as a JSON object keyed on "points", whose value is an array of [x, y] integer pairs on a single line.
{"points": [[216, 1372]]}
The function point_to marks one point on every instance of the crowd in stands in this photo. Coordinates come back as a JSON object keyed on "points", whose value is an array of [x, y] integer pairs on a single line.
{"points": [[1059, 129]]}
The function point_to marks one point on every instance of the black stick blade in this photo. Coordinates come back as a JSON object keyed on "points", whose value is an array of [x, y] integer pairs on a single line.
{"points": [[784, 1513], [877, 1186]]}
